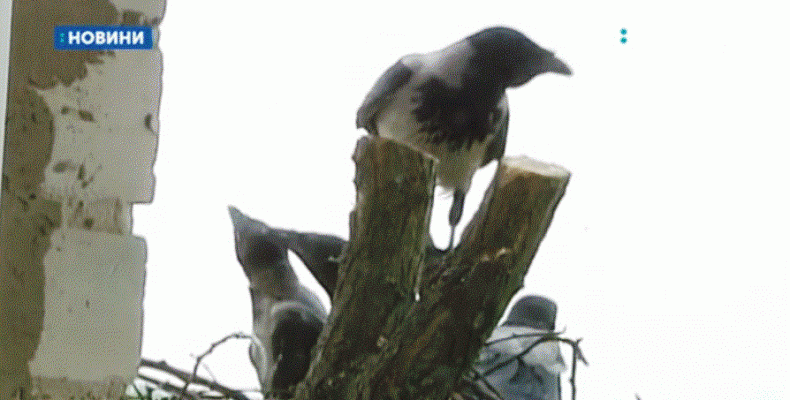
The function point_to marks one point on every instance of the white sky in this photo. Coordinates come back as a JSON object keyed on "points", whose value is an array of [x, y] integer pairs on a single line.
{"points": [[667, 254]]}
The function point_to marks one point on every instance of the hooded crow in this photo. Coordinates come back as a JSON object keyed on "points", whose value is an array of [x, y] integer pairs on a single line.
{"points": [[451, 103], [287, 316], [502, 362]]}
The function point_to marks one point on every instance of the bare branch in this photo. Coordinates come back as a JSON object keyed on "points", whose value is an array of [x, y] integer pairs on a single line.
{"points": [[190, 378], [185, 376]]}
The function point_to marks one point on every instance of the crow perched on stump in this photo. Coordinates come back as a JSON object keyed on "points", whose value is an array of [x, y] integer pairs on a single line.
{"points": [[452, 104]]}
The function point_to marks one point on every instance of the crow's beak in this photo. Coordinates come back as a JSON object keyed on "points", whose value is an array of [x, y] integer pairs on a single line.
{"points": [[554, 64]]}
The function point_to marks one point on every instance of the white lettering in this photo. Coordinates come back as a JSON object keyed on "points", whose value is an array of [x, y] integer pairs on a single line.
{"points": [[125, 37], [137, 38], [112, 37], [87, 37], [74, 37]]}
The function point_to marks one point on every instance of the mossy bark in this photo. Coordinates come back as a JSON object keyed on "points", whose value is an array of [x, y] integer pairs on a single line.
{"points": [[382, 343]]}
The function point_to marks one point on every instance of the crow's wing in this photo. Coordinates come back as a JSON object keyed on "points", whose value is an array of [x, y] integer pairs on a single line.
{"points": [[381, 94], [496, 148], [292, 342]]}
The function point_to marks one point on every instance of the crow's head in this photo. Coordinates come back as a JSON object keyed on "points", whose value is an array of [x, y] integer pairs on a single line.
{"points": [[513, 57]]}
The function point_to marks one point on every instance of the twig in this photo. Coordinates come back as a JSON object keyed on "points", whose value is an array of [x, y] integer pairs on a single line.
{"points": [[524, 335], [576, 352], [140, 394], [185, 376], [486, 383], [546, 338], [550, 337], [167, 386], [237, 335]]}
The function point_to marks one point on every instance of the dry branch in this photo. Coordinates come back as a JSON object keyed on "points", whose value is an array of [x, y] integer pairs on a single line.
{"points": [[184, 376], [199, 359]]}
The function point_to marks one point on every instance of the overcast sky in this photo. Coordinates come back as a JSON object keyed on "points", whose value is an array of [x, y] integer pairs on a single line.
{"points": [[667, 254]]}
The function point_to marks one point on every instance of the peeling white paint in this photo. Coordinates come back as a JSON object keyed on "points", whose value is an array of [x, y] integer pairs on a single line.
{"points": [[104, 139]]}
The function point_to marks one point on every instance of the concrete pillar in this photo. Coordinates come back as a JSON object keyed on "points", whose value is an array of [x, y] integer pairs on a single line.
{"points": [[80, 142]]}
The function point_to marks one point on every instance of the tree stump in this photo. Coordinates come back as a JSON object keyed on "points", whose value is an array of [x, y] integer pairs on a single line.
{"points": [[381, 342]]}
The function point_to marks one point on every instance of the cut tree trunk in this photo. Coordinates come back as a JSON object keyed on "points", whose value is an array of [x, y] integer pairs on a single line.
{"points": [[382, 341]]}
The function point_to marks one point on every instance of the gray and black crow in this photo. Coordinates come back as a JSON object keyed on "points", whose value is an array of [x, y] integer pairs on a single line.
{"points": [[452, 104], [534, 375], [287, 316]]}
